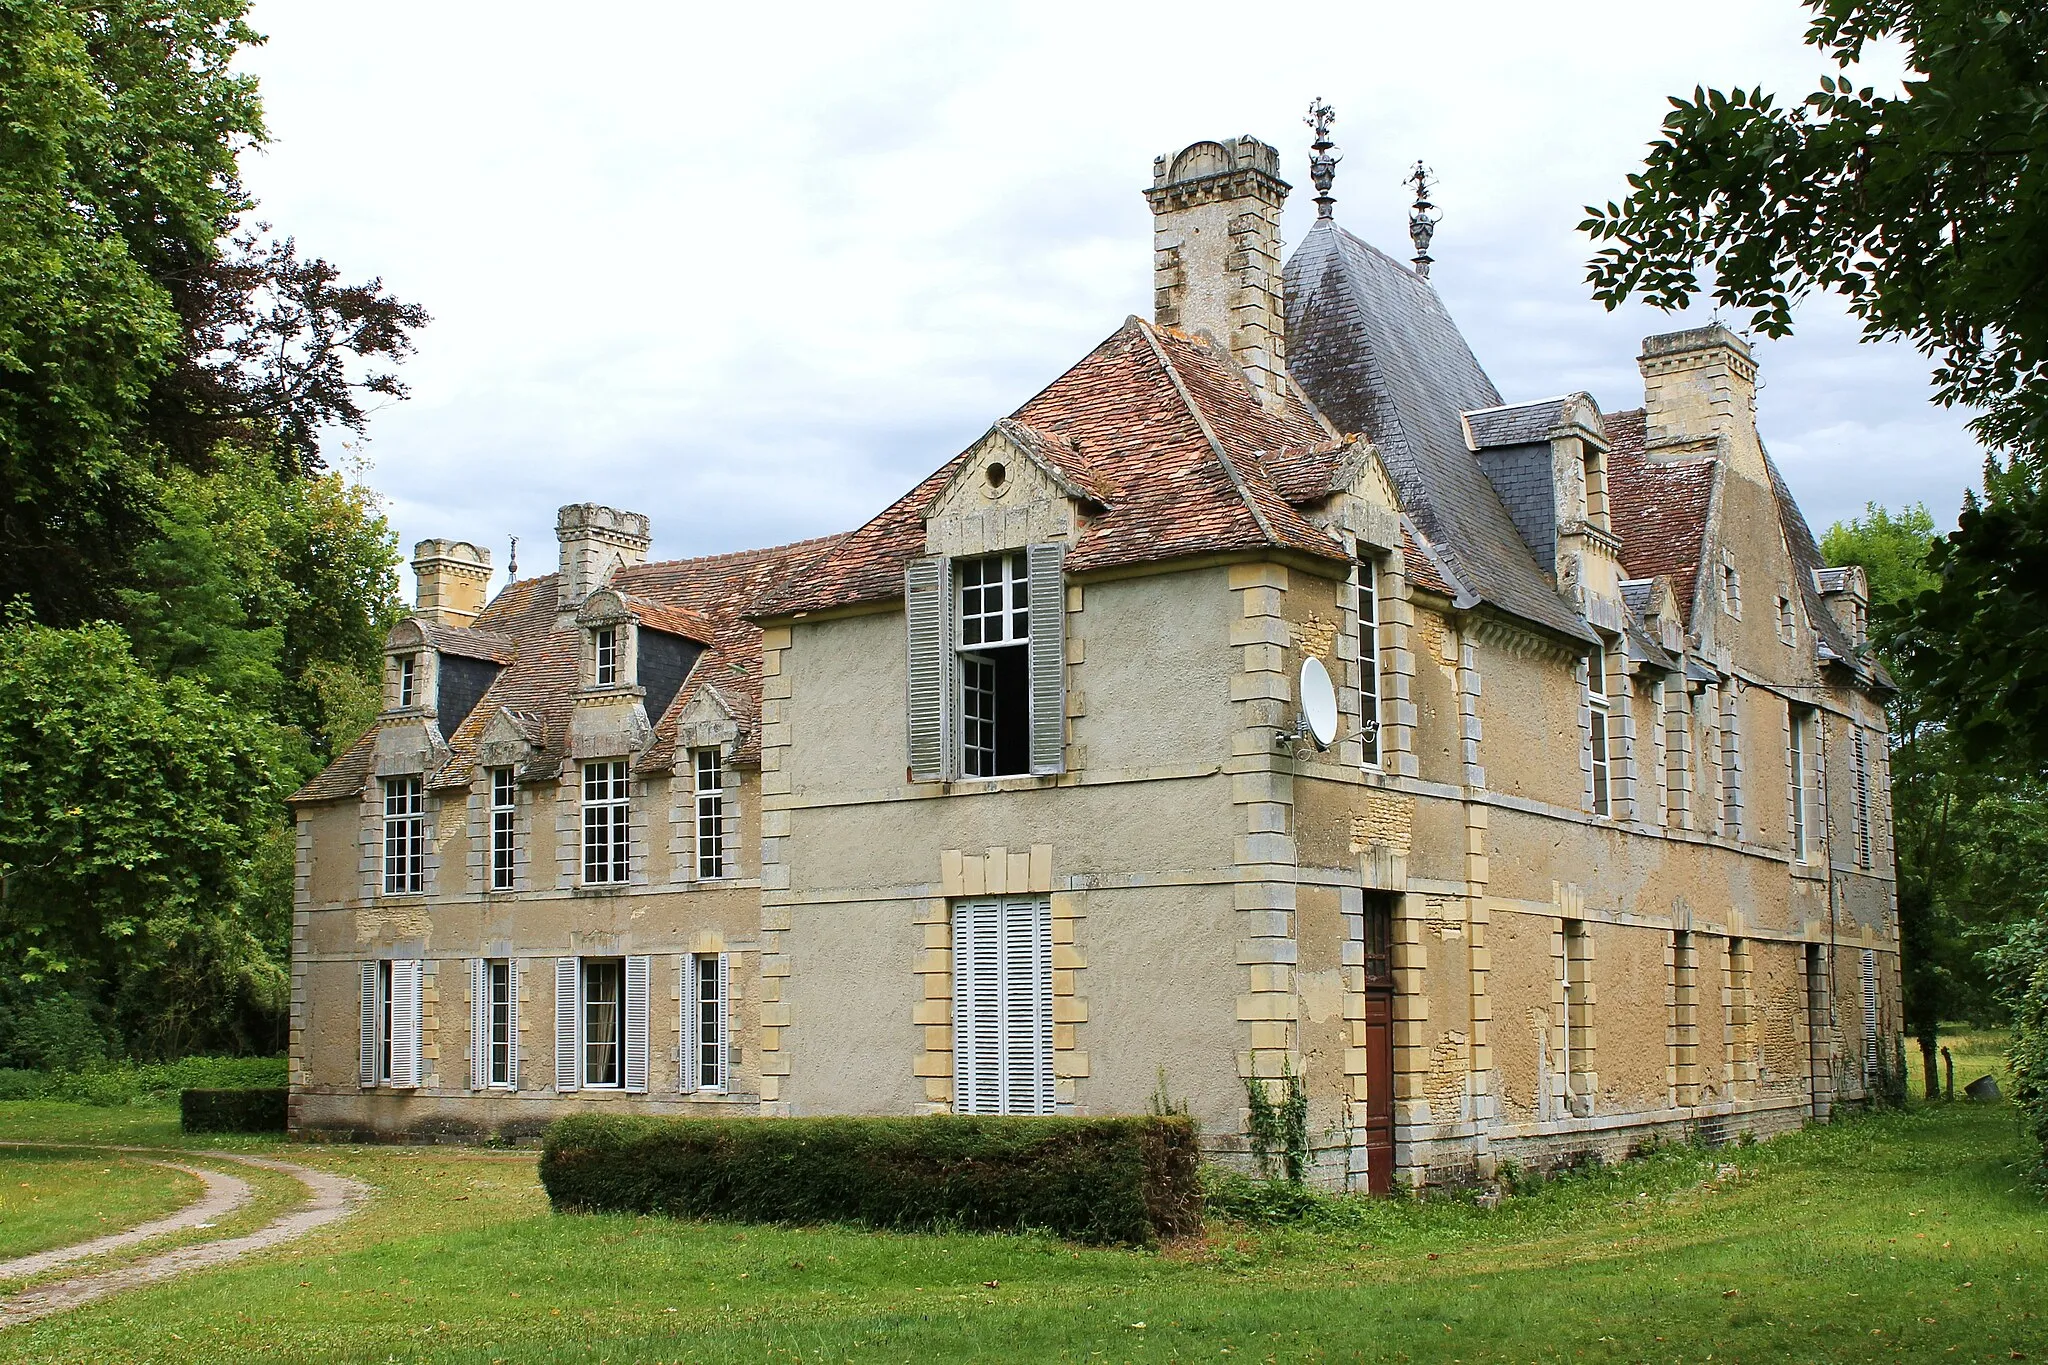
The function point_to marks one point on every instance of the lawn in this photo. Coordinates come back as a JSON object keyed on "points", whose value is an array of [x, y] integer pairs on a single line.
{"points": [[54, 1198], [1901, 1235]]}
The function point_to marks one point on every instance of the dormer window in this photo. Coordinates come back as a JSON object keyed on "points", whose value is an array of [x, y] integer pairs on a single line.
{"points": [[407, 679], [605, 641], [995, 684]]}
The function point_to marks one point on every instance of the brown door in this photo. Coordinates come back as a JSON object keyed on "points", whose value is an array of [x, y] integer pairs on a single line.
{"points": [[1379, 1044]]}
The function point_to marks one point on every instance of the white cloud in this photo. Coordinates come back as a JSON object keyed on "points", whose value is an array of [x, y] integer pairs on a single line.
{"points": [[754, 269]]}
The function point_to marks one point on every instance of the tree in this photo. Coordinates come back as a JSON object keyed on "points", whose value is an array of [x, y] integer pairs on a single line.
{"points": [[1927, 211]]}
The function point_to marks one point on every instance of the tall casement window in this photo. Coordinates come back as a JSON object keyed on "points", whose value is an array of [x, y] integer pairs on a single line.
{"points": [[605, 649], [601, 1023], [504, 828], [710, 769], [1799, 789], [405, 842], [407, 679], [1597, 726], [607, 817], [1859, 759], [988, 677], [1002, 1006], [391, 1023], [706, 1037], [1369, 660], [494, 1024]]}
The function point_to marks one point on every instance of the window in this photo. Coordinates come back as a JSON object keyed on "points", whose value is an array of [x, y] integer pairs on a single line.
{"points": [[995, 639], [607, 835], [1786, 621], [1731, 588], [494, 1024], [1797, 835], [1859, 758], [406, 665], [1369, 660], [404, 836], [1596, 724], [710, 814], [391, 994], [604, 1022], [705, 1036], [601, 1023], [504, 828], [605, 646], [1002, 1007]]}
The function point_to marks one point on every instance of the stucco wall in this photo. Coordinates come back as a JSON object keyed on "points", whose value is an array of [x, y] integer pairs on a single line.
{"points": [[1520, 987], [1631, 1058], [1531, 710]]}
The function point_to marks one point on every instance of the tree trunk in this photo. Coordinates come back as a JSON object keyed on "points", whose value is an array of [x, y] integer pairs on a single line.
{"points": [[1927, 1067]]}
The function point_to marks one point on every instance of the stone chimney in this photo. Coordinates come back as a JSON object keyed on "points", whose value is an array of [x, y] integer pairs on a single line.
{"points": [[1697, 384], [452, 576], [595, 541], [1216, 264]]}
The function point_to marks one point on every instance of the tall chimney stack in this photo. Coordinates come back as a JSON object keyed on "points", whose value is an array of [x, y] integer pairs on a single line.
{"points": [[452, 576], [1216, 264], [596, 541], [1698, 383]]}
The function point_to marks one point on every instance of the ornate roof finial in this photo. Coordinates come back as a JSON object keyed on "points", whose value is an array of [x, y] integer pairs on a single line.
{"points": [[1322, 166], [1422, 218], [512, 563]]}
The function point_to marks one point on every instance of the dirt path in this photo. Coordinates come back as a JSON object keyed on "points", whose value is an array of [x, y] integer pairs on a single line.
{"points": [[222, 1196], [333, 1197]]}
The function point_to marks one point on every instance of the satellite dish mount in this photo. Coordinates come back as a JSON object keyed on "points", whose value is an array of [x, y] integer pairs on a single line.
{"points": [[1317, 720]]}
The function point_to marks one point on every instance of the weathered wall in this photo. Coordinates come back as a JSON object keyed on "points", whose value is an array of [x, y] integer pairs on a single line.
{"points": [[1522, 986], [1632, 1058]]}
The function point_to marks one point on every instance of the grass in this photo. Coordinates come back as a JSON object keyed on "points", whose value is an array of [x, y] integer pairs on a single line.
{"points": [[52, 1199], [1906, 1235]]}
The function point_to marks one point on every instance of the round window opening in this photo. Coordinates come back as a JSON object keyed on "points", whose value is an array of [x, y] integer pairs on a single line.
{"points": [[996, 474]]}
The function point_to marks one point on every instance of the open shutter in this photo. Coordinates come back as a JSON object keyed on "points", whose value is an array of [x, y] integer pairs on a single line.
{"points": [[1870, 1044], [405, 1023], [927, 611], [692, 1047], [724, 1078], [568, 1036], [370, 1021], [512, 1022], [479, 1023], [639, 977], [1047, 567]]}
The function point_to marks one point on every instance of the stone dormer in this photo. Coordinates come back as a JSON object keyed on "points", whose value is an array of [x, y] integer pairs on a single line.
{"points": [[1846, 592], [1016, 486], [1548, 462]]}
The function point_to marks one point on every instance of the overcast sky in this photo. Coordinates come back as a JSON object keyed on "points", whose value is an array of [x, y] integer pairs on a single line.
{"points": [[753, 269]]}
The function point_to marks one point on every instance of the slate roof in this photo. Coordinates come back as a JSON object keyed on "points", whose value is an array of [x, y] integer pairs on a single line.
{"points": [[698, 598], [468, 642], [1517, 424], [1659, 508], [1165, 427], [1377, 352]]}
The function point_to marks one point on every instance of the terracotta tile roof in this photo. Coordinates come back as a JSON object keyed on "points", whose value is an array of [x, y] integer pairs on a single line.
{"points": [[1163, 424], [1658, 507], [698, 598], [1422, 567]]}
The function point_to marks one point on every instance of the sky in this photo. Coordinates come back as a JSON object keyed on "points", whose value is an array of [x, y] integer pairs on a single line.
{"points": [[755, 269]]}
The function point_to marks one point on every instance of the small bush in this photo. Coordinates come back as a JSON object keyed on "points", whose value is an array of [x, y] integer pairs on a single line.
{"points": [[1097, 1180], [232, 1111]]}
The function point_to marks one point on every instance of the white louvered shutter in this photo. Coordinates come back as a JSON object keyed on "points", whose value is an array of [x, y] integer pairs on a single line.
{"points": [[1870, 1045], [977, 1007], [370, 1021], [568, 1034], [927, 611], [639, 977], [405, 1023], [1047, 567], [692, 1046], [512, 1022], [1027, 1008], [723, 1081], [479, 1023]]}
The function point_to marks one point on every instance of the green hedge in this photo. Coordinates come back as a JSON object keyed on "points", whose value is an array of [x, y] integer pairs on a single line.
{"points": [[1096, 1180], [232, 1111], [140, 1083]]}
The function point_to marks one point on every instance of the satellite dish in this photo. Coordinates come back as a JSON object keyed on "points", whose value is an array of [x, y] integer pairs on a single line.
{"points": [[1318, 702]]}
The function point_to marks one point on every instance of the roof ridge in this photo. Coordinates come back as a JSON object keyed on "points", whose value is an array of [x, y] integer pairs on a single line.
{"points": [[1230, 470]]}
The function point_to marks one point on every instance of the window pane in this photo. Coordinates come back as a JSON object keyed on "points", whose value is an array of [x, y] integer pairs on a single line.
{"points": [[603, 1021]]}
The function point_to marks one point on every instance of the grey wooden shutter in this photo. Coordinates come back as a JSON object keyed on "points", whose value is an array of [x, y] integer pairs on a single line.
{"points": [[639, 977], [927, 611], [479, 1023], [1027, 1008], [1868, 968], [512, 1022], [724, 1081], [977, 1007], [1047, 568], [371, 1020], [405, 1023], [568, 1035], [692, 1047]]}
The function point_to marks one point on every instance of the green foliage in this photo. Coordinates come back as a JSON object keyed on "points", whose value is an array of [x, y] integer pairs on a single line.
{"points": [[2019, 971], [148, 1083], [255, 1110], [1095, 1180], [1278, 1132]]}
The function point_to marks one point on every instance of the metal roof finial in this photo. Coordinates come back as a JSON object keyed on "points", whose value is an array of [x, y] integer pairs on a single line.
{"points": [[1422, 218], [1322, 166], [512, 563]]}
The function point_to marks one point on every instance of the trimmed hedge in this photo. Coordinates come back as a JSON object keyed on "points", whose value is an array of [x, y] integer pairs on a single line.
{"points": [[232, 1111], [1094, 1180]]}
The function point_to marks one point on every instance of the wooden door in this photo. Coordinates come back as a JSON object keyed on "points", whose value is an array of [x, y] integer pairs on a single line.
{"points": [[1379, 1043]]}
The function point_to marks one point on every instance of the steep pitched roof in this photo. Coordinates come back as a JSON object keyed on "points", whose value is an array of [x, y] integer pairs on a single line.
{"points": [[1165, 430], [700, 598], [1377, 352], [1659, 508], [1807, 563], [1514, 424]]}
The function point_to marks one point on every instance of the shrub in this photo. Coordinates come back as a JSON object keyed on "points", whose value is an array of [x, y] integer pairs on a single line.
{"points": [[232, 1111], [2020, 970], [1097, 1180], [128, 1083]]}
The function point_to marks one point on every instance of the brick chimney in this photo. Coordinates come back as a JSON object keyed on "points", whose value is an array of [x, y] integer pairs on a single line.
{"points": [[452, 576], [595, 541], [1216, 264], [1698, 383]]}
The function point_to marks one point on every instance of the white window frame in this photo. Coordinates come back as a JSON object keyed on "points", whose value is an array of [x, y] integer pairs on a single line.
{"points": [[708, 765], [504, 866], [707, 1027], [607, 822], [1369, 701], [1599, 730], [1799, 814], [586, 1005], [405, 838], [604, 656], [408, 679], [494, 1023], [1003, 1006], [391, 1007], [984, 628]]}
